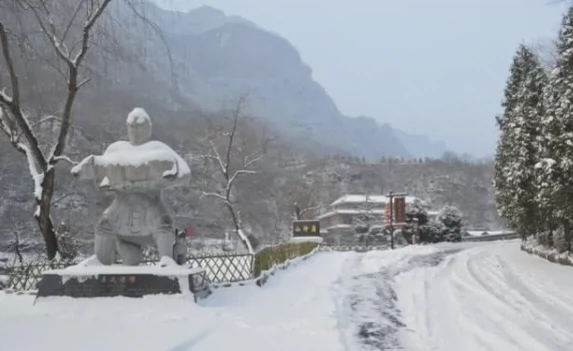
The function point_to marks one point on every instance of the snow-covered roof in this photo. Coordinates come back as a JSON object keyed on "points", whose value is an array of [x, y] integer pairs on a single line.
{"points": [[350, 211], [356, 199]]}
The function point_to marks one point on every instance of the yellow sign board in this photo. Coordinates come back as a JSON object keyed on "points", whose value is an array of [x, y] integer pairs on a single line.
{"points": [[306, 228]]}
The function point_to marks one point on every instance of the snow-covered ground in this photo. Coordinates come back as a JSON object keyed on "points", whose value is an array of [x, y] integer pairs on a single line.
{"points": [[468, 296]]}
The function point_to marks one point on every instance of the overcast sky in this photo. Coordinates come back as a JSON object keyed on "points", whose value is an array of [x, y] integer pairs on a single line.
{"points": [[435, 67]]}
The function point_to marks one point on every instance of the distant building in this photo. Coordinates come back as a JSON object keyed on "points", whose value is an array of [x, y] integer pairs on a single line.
{"points": [[338, 224]]}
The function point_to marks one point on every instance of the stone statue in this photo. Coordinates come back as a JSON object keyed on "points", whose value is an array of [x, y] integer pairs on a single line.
{"points": [[135, 172]]}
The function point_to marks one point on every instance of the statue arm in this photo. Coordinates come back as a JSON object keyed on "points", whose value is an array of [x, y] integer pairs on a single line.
{"points": [[174, 175], [87, 169]]}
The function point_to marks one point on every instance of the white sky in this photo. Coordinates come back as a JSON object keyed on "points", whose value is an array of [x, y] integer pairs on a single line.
{"points": [[434, 67]]}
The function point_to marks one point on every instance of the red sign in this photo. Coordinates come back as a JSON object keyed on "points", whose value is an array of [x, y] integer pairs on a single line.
{"points": [[400, 209], [189, 231], [387, 214]]}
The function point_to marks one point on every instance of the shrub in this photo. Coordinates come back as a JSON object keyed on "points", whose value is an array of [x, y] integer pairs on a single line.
{"points": [[275, 255]]}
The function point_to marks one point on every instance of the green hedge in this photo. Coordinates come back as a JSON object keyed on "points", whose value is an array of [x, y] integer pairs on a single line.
{"points": [[270, 256]]}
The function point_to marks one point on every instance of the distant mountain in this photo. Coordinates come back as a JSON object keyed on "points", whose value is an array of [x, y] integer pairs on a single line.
{"points": [[420, 145], [217, 58]]}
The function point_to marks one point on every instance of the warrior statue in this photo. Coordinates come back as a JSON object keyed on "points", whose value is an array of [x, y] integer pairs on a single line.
{"points": [[135, 172]]}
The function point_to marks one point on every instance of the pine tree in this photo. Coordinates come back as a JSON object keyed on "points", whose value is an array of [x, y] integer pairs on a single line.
{"points": [[517, 152], [556, 142], [503, 156], [525, 146]]}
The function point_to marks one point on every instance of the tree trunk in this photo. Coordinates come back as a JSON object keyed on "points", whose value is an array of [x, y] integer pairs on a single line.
{"points": [[244, 239], [567, 234], [43, 216]]}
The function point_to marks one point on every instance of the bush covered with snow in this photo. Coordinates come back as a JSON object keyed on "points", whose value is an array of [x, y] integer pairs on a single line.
{"points": [[534, 247], [271, 256], [446, 227], [451, 220]]}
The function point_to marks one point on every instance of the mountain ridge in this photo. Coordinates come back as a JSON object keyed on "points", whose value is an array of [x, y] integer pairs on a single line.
{"points": [[220, 57]]}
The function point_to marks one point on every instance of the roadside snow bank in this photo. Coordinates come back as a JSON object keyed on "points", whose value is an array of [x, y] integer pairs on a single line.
{"points": [[532, 246]]}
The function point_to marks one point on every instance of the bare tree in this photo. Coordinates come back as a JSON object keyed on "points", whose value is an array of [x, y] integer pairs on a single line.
{"points": [[22, 240], [305, 204], [232, 161], [14, 121]]}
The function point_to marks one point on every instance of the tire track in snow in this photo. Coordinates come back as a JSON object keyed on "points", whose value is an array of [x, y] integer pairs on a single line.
{"points": [[520, 299], [486, 298], [370, 301]]}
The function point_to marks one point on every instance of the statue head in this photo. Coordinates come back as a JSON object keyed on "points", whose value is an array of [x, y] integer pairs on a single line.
{"points": [[138, 126]]}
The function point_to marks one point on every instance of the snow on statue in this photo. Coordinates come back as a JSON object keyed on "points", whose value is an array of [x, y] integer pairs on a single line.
{"points": [[135, 171]]}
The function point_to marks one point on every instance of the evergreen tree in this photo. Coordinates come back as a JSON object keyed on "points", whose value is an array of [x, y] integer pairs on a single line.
{"points": [[556, 142], [517, 151], [505, 123]]}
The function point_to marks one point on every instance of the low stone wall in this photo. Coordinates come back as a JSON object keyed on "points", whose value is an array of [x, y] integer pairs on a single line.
{"points": [[548, 254]]}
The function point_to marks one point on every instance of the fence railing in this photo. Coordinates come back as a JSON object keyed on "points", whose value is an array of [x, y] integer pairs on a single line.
{"points": [[25, 277], [225, 268], [220, 268]]}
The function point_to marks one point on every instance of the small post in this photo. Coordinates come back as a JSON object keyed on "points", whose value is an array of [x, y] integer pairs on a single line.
{"points": [[391, 197]]}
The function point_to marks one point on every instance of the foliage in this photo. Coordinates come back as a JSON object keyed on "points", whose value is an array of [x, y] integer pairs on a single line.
{"points": [[268, 257], [446, 227], [451, 220], [416, 219], [517, 151], [370, 227], [534, 158]]}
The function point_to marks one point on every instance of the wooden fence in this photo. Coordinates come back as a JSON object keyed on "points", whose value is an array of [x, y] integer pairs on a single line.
{"points": [[220, 268]]}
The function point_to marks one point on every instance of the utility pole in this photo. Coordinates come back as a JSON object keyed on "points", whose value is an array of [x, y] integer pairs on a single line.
{"points": [[391, 195]]}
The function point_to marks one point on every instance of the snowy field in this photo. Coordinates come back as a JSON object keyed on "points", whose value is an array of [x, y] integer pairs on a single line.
{"points": [[469, 296]]}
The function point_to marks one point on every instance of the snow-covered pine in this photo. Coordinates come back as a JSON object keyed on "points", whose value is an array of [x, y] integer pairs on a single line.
{"points": [[522, 185], [556, 143], [518, 150], [504, 121]]}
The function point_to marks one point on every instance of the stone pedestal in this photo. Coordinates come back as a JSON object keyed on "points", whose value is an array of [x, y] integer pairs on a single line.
{"points": [[116, 280], [302, 239]]}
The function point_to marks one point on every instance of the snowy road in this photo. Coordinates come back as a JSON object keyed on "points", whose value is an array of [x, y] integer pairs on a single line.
{"points": [[490, 297], [480, 296]]}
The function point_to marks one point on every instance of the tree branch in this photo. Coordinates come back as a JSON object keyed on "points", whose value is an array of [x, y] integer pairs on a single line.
{"points": [[247, 164], [218, 158], [13, 104], [309, 209], [73, 87], [237, 173], [215, 195], [86, 32]]}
